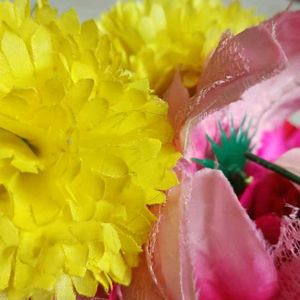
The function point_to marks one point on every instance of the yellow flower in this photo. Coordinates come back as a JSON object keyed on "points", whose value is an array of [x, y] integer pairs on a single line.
{"points": [[158, 37], [84, 149]]}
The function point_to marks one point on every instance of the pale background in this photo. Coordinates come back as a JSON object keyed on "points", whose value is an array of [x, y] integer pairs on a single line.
{"points": [[92, 8]]}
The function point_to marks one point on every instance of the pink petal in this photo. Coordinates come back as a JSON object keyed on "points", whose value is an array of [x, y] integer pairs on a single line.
{"points": [[273, 144], [142, 286], [278, 141], [286, 25], [229, 258], [266, 104], [278, 98], [177, 96], [237, 64], [168, 264], [205, 243], [291, 161]]}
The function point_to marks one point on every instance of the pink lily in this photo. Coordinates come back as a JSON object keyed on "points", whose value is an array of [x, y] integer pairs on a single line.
{"points": [[204, 245]]}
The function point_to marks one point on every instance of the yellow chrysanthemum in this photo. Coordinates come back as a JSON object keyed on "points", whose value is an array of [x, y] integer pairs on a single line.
{"points": [[157, 37], [84, 148]]}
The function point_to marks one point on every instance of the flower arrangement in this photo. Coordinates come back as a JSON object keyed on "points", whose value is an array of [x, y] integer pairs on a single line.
{"points": [[230, 243], [150, 154]]}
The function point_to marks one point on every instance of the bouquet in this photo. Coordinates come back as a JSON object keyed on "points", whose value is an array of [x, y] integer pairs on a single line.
{"points": [[149, 154]]}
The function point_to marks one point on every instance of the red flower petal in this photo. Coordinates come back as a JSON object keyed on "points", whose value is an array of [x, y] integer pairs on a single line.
{"points": [[270, 226]]}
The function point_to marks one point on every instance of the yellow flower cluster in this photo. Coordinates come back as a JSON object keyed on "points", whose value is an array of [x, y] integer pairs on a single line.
{"points": [[157, 37], [84, 148]]}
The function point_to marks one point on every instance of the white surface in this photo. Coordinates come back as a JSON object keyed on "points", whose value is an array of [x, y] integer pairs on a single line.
{"points": [[92, 8], [86, 8]]}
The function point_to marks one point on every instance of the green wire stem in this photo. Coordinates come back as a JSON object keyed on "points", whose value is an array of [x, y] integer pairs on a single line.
{"points": [[275, 168]]}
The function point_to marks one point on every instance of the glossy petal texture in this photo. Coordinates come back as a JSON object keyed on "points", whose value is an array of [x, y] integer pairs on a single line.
{"points": [[216, 253], [237, 63], [229, 257], [286, 27], [267, 104], [164, 257], [167, 260]]}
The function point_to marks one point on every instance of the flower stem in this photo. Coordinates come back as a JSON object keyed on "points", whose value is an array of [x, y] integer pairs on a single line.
{"points": [[273, 167]]}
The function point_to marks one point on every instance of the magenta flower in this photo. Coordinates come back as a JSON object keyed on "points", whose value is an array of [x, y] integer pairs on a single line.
{"points": [[267, 199], [205, 245], [277, 141]]}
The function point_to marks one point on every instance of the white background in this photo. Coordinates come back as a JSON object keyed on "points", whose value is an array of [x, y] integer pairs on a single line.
{"points": [[92, 8]]}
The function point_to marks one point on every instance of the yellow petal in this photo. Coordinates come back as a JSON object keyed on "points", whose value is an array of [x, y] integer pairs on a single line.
{"points": [[79, 94], [86, 286], [8, 232], [17, 55], [110, 238], [6, 261], [42, 51], [49, 267], [23, 275], [82, 71], [157, 38], [6, 79], [42, 295], [76, 259], [64, 289], [89, 34], [69, 23]]}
